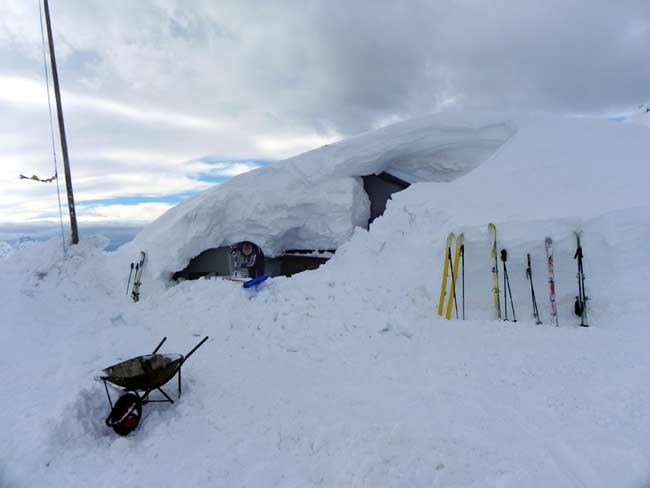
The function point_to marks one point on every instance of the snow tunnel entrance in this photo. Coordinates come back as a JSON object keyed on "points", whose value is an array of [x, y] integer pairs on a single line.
{"points": [[238, 260], [211, 262], [295, 261], [380, 189]]}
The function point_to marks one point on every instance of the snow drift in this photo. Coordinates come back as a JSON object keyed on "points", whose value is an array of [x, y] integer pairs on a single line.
{"points": [[477, 167], [641, 115], [344, 376], [315, 200]]}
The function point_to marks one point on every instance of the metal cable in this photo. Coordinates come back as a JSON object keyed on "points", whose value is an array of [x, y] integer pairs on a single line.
{"points": [[49, 107]]}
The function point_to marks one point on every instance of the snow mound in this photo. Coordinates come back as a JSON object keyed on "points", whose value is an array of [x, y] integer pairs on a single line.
{"points": [[315, 200], [477, 167], [345, 376], [5, 249], [641, 115], [551, 169]]}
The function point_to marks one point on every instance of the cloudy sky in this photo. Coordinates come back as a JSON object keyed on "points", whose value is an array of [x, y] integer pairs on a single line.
{"points": [[164, 98]]}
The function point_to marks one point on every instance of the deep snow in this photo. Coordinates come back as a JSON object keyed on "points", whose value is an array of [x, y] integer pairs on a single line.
{"points": [[5, 249], [344, 376], [480, 167], [641, 115], [315, 200]]}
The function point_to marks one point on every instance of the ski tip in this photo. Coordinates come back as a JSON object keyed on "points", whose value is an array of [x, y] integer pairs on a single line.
{"points": [[491, 226]]}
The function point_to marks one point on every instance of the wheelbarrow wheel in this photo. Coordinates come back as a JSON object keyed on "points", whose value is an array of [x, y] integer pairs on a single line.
{"points": [[126, 413]]}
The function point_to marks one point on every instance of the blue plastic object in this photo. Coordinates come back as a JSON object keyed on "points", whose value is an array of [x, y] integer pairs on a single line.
{"points": [[256, 281]]}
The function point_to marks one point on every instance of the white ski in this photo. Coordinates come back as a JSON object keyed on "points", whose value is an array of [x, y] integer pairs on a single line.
{"points": [[551, 279]]}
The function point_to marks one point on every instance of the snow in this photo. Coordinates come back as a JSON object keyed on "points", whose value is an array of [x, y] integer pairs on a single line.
{"points": [[567, 168], [640, 116], [316, 200], [5, 249], [344, 376]]}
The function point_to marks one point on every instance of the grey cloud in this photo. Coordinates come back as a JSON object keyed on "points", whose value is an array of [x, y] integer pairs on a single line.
{"points": [[283, 69]]}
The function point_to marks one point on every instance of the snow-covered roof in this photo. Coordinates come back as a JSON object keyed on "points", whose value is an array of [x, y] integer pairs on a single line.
{"points": [[315, 200]]}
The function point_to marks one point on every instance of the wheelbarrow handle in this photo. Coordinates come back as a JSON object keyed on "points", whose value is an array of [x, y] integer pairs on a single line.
{"points": [[195, 348], [159, 345]]}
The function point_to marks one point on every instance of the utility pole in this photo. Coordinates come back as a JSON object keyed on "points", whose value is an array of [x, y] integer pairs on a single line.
{"points": [[64, 143]]}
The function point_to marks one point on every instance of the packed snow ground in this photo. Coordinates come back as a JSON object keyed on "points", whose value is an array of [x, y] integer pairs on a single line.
{"points": [[344, 376]]}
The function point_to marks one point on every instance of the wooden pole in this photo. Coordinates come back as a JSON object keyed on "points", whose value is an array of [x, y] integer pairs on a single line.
{"points": [[64, 143]]}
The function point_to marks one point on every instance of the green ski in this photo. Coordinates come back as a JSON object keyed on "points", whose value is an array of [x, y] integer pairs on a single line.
{"points": [[496, 302], [137, 280]]}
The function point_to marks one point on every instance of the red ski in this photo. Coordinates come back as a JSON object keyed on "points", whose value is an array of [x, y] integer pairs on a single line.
{"points": [[551, 279]]}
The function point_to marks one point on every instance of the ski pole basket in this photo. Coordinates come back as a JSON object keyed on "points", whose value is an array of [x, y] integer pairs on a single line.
{"points": [[138, 377]]}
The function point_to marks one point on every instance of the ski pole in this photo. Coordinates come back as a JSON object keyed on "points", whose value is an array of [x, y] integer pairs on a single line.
{"points": [[462, 257], [583, 317], [581, 299], [529, 275], [453, 284], [504, 256], [506, 287], [512, 303], [129, 282]]}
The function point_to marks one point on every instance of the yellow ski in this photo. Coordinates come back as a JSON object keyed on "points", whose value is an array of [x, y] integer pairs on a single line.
{"points": [[454, 274], [496, 302], [445, 273]]}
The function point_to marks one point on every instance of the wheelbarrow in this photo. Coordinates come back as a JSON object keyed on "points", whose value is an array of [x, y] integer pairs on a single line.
{"points": [[138, 377]]}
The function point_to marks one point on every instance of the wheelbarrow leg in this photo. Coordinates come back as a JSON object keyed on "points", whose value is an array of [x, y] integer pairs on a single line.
{"points": [[165, 395], [108, 394]]}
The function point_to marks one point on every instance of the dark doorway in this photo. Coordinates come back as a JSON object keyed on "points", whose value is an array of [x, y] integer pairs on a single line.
{"points": [[380, 188]]}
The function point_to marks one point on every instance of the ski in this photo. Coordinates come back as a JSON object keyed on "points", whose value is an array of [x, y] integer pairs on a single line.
{"points": [[445, 273], [580, 306], [137, 279], [551, 279], [454, 276], [496, 304], [529, 277]]}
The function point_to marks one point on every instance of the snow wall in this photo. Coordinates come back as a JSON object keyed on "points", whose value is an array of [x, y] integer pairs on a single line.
{"points": [[469, 169], [315, 200]]}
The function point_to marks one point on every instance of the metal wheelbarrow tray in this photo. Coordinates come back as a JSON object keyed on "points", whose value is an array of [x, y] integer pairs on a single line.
{"points": [[140, 376]]}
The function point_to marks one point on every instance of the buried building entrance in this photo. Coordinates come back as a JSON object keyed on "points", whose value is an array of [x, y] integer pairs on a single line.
{"points": [[246, 260]]}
